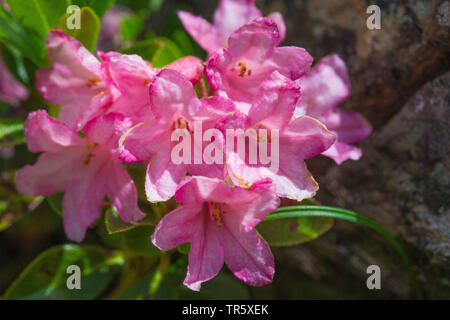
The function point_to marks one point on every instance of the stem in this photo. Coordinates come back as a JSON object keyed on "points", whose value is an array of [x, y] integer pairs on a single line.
{"points": [[158, 276]]}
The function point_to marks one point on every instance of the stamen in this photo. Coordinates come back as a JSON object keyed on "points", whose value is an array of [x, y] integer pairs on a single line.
{"points": [[181, 123], [91, 82], [216, 212], [91, 154]]}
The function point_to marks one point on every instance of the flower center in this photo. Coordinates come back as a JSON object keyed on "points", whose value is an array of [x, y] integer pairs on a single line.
{"points": [[216, 212], [241, 69], [181, 123], [91, 153]]}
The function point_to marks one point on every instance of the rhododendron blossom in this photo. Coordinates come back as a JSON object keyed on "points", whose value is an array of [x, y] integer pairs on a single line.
{"points": [[252, 55], [85, 169], [232, 73], [227, 148], [229, 16], [323, 89], [299, 139], [218, 222], [85, 87], [175, 106]]}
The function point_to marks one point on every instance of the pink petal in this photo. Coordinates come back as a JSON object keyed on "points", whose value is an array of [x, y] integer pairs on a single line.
{"points": [[172, 95], [258, 36], [163, 176], [106, 130], [275, 102], [233, 14], [177, 227], [122, 192], [341, 152], [44, 133], [206, 255], [191, 224], [51, 173], [246, 254], [142, 141], [74, 78], [350, 127], [201, 30], [195, 190], [251, 206], [11, 90], [305, 137], [190, 67], [278, 18], [132, 77], [251, 58], [325, 86], [293, 180], [83, 200]]}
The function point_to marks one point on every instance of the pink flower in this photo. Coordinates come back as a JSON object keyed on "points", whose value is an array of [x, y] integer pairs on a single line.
{"points": [[229, 16], [190, 67], [11, 90], [86, 169], [298, 139], [86, 87], [219, 223], [130, 77], [323, 89], [75, 81], [174, 105], [252, 55]]}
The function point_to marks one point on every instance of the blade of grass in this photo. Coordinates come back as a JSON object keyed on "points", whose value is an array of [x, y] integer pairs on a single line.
{"points": [[337, 213]]}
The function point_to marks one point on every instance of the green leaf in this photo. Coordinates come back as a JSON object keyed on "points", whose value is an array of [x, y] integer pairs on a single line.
{"points": [[114, 224], [13, 34], [55, 202], [46, 277], [184, 248], [131, 25], [10, 126], [337, 213], [14, 61], [99, 6], [293, 231], [138, 241], [11, 132], [38, 16], [89, 28], [159, 51]]}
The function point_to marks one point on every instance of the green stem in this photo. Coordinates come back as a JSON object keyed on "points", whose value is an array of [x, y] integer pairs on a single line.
{"points": [[159, 274]]}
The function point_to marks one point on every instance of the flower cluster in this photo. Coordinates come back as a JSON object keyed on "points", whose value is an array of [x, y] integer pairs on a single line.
{"points": [[118, 108]]}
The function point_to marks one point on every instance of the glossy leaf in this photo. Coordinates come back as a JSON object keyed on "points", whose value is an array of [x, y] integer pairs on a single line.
{"points": [[89, 28], [159, 51], [11, 132], [13, 59], [138, 241], [114, 224], [13, 34], [38, 16], [55, 202], [46, 277], [293, 231], [99, 6]]}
